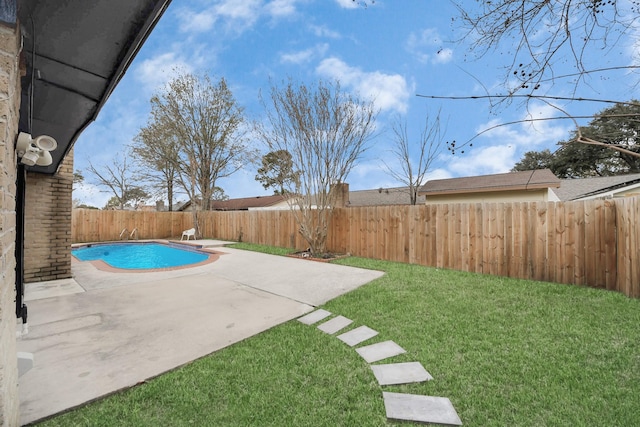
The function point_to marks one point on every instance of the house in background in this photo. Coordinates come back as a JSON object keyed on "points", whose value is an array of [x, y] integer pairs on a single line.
{"points": [[528, 186], [345, 198], [251, 203], [382, 197], [243, 204], [599, 188]]}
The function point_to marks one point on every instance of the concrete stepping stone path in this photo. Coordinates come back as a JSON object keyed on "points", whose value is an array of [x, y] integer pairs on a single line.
{"points": [[334, 325], [314, 316], [423, 409], [400, 373], [357, 335], [398, 406], [382, 350]]}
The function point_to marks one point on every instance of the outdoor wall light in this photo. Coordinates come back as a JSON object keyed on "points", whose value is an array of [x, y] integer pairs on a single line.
{"points": [[35, 151]]}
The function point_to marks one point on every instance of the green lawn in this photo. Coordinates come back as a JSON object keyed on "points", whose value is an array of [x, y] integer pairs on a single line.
{"points": [[505, 352]]}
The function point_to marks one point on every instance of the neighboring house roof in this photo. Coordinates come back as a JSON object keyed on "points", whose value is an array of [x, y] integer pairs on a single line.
{"points": [[245, 203], [76, 52], [381, 197], [512, 181], [241, 204], [573, 189]]}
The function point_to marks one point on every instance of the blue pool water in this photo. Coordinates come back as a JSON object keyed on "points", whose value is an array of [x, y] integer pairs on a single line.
{"points": [[139, 256]]}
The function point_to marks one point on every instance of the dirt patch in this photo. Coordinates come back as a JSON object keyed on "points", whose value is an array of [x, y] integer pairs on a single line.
{"points": [[324, 257]]}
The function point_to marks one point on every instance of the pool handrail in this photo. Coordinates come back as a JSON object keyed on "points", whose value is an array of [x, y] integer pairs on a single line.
{"points": [[124, 232], [135, 231]]}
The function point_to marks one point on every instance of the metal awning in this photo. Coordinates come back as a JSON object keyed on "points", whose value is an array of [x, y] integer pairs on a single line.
{"points": [[76, 52]]}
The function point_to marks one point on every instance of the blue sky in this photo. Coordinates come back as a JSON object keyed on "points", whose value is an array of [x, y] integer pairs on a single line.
{"points": [[391, 51]]}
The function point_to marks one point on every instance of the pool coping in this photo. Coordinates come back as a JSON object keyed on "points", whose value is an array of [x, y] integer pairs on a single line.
{"points": [[212, 255]]}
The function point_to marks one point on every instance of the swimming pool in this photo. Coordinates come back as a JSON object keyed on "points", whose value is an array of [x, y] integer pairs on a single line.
{"points": [[139, 256]]}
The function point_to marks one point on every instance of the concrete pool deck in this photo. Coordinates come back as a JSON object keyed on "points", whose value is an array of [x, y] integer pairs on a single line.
{"points": [[102, 332]]}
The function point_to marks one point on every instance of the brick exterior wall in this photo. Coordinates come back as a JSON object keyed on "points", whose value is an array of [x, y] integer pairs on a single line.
{"points": [[9, 113], [47, 235]]}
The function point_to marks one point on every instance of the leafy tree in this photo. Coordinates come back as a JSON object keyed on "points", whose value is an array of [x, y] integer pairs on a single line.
{"points": [[535, 160], [135, 195], [85, 206], [325, 130], [114, 203], [78, 178], [415, 159], [156, 153], [277, 171], [132, 198], [615, 126], [572, 160], [204, 121]]}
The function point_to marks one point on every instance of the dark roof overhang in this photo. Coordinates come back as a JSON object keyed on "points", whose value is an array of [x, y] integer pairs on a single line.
{"points": [[76, 52]]}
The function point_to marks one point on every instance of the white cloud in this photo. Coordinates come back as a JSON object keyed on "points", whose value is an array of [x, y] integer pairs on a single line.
{"points": [[633, 47], [443, 56], [198, 22], [388, 91], [89, 194], [499, 147], [243, 184], [236, 15], [279, 8], [156, 71], [485, 160], [347, 4], [439, 173], [529, 134], [426, 46], [304, 56], [322, 31], [246, 10]]}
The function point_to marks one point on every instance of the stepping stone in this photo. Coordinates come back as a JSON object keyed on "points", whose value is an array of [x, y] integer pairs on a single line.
{"points": [[422, 409], [382, 350], [314, 316], [334, 325], [400, 373], [357, 335]]}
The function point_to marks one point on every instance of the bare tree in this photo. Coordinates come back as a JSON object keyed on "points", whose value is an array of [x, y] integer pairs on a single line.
{"points": [[205, 122], [157, 156], [325, 130], [538, 37], [415, 159], [117, 178], [541, 34]]}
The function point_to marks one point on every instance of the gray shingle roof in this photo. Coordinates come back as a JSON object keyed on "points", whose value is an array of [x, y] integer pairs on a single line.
{"points": [[382, 197], [525, 180], [572, 189]]}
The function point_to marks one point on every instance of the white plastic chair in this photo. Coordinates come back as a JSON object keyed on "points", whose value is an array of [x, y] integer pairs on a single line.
{"points": [[190, 232]]}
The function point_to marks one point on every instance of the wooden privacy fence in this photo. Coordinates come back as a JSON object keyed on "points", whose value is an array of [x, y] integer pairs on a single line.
{"points": [[92, 225], [594, 243]]}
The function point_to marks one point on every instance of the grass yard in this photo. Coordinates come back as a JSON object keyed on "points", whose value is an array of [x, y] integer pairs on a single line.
{"points": [[505, 352]]}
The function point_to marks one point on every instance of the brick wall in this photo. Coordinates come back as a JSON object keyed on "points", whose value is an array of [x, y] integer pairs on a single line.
{"points": [[9, 112], [47, 234]]}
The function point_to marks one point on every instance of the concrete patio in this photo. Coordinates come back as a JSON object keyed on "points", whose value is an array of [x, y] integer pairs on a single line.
{"points": [[102, 332]]}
